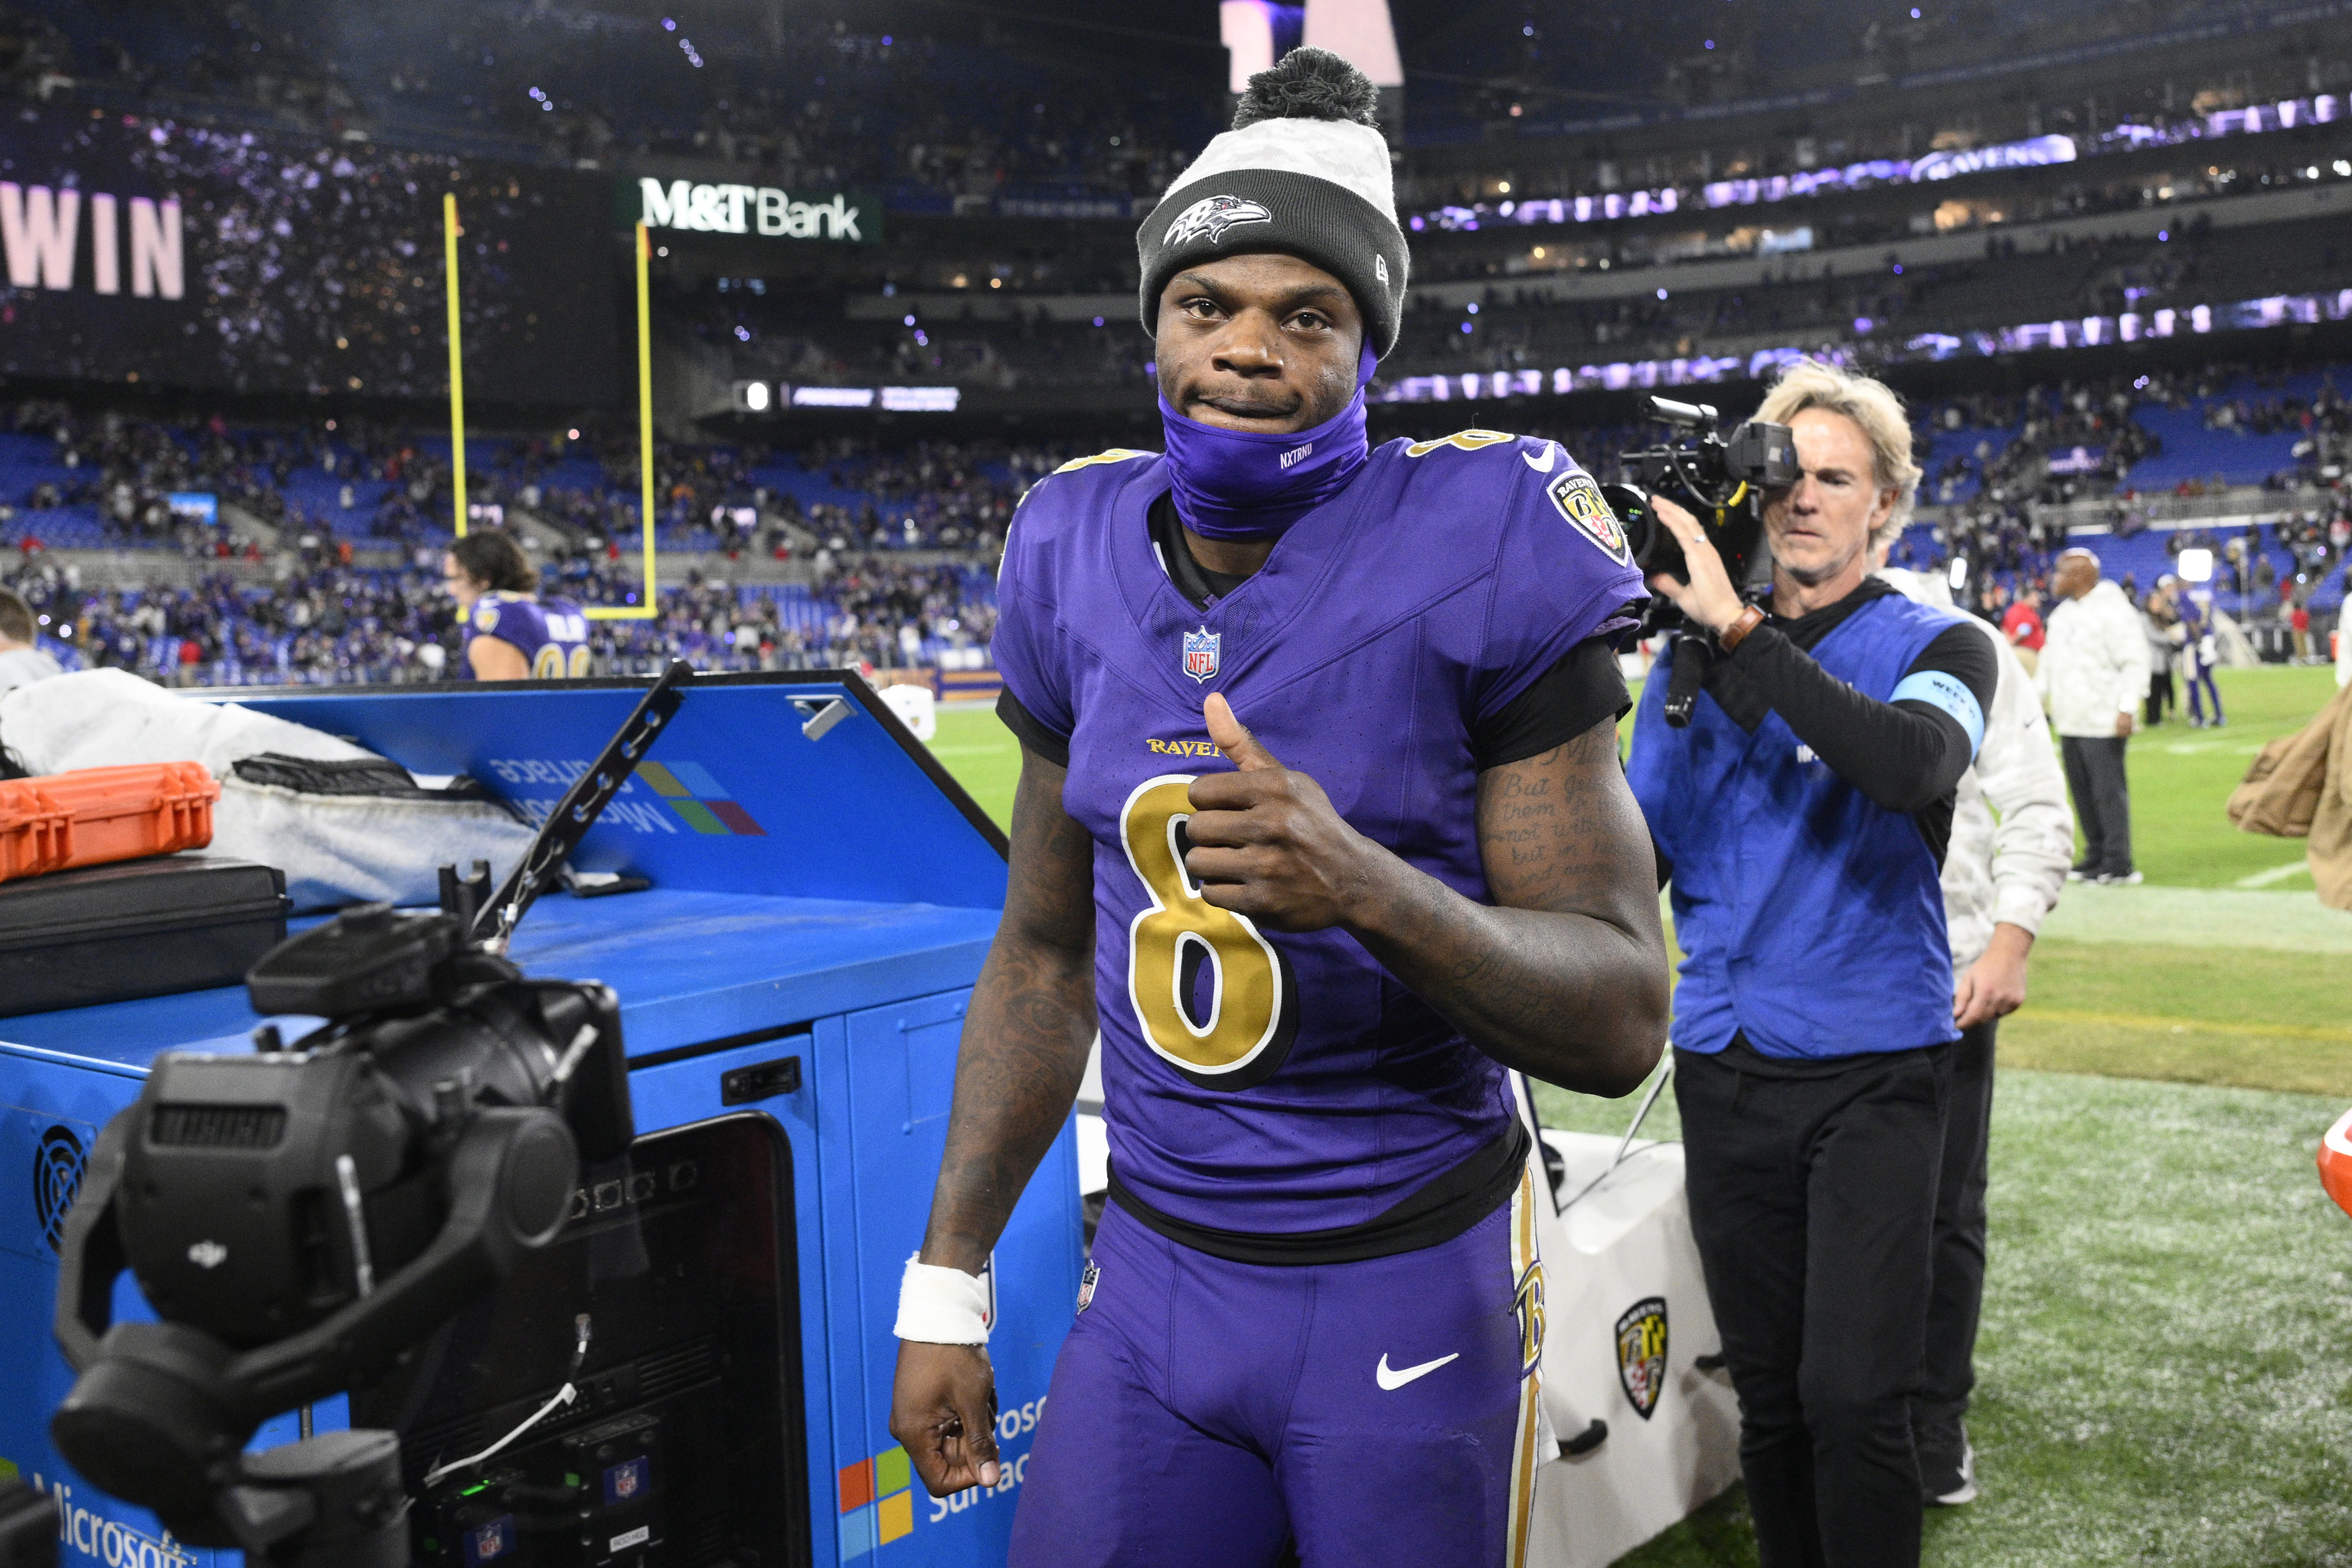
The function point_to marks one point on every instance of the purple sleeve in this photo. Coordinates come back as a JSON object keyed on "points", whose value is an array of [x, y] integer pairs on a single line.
{"points": [[1562, 573], [1024, 647]]}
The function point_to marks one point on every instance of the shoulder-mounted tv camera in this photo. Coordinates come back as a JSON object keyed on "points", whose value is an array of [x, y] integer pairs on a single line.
{"points": [[1721, 480]]}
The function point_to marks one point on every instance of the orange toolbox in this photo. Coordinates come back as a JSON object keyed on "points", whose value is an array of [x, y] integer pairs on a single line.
{"points": [[93, 816]]}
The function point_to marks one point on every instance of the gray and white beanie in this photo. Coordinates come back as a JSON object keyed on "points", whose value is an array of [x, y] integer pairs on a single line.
{"points": [[1303, 172]]}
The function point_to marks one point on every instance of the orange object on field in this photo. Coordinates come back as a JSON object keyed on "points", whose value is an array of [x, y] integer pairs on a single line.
{"points": [[2336, 1161], [93, 816]]}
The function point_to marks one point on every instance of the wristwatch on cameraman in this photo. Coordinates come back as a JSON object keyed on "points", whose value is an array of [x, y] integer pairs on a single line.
{"points": [[1751, 617]]}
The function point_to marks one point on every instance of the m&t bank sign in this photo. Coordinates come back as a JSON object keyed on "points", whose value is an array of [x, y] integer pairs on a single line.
{"points": [[761, 210]]}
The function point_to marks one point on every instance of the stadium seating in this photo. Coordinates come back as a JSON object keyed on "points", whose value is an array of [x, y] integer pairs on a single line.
{"points": [[2192, 450], [1986, 497]]}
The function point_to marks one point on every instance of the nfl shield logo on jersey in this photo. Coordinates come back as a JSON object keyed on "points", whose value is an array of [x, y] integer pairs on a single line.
{"points": [[1642, 1352], [1201, 653]]}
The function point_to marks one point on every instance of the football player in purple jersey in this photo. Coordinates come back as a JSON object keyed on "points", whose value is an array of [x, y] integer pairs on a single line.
{"points": [[1321, 823], [512, 635]]}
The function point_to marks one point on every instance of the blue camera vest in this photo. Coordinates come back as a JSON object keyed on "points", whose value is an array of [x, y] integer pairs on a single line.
{"points": [[1810, 917]]}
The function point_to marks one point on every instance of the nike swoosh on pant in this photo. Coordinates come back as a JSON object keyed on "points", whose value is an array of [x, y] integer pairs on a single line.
{"points": [[1396, 1378], [1542, 468]]}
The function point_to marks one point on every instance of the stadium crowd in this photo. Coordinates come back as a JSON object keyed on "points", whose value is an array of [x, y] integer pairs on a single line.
{"points": [[334, 530], [806, 115], [332, 625]]}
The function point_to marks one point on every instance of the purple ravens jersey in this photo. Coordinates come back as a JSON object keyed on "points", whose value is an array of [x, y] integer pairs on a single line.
{"points": [[552, 634], [1255, 1082]]}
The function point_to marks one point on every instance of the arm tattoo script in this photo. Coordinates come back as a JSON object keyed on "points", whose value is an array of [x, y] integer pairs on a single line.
{"points": [[1564, 975]]}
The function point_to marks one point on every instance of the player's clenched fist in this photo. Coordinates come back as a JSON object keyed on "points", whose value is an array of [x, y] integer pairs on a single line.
{"points": [[1265, 840], [943, 1413]]}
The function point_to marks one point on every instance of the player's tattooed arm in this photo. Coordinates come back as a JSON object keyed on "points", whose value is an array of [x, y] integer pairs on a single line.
{"points": [[1563, 976], [1025, 1038]]}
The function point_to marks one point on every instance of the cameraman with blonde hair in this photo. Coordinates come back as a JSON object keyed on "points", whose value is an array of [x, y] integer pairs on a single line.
{"points": [[1803, 817]]}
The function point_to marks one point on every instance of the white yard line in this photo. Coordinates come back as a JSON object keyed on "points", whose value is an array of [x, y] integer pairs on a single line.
{"points": [[2274, 919]]}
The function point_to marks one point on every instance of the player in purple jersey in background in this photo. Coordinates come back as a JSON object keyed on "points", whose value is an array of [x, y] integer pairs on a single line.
{"points": [[1321, 823], [509, 634]]}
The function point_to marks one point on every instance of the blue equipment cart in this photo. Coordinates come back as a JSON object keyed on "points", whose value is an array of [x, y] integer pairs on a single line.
{"points": [[822, 897]]}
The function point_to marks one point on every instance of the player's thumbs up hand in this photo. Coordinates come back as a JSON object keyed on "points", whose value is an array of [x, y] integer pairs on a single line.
{"points": [[1267, 842], [1232, 737]]}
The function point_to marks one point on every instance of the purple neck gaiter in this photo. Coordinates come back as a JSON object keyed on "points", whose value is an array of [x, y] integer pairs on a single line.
{"points": [[1248, 484]]}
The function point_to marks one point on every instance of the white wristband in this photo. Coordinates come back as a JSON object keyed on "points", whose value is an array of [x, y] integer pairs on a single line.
{"points": [[940, 1306]]}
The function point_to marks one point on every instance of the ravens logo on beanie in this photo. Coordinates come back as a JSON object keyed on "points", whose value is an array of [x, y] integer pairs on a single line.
{"points": [[1303, 172]]}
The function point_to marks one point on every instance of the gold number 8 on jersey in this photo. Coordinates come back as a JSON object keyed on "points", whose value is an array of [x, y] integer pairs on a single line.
{"points": [[1241, 1035]]}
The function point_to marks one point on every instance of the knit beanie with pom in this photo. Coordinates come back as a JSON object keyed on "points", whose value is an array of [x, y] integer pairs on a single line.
{"points": [[1303, 172]]}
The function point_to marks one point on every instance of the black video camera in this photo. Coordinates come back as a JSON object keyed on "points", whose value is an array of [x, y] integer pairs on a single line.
{"points": [[1720, 481], [300, 1217]]}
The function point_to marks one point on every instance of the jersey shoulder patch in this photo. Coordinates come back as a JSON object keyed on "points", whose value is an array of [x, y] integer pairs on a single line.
{"points": [[486, 613], [1461, 440], [1577, 497], [1116, 455]]}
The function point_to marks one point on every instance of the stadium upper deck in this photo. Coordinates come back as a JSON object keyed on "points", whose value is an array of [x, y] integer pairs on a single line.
{"points": [[1620, 230]]}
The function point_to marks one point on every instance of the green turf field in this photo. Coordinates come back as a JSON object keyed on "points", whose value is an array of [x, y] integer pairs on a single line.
{"points": [[983, 756], [2166, 1366]]}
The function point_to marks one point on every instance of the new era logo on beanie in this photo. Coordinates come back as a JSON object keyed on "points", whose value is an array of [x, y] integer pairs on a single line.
{"points": [[1303, 172]]}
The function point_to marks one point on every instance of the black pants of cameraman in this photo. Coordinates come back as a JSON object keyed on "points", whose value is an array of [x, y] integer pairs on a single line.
{"points": [[1812, 1200], [1956, 1297]]}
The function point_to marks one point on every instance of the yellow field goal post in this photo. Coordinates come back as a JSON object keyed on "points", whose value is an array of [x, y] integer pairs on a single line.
{"points": [[647, 606]]}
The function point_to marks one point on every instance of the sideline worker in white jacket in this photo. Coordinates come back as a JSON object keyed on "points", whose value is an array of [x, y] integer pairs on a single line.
{"points": [[2002, 875], [2094, 672]]}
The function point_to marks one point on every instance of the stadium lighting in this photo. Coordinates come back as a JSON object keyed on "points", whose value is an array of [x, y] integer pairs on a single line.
{"points": [[2196, 565], [752, 397], [832, 398], [1959, 574]]}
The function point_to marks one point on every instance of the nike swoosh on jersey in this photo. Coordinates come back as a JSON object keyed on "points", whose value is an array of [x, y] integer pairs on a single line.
{"points": [[1397, 1378], [1544, 467]]}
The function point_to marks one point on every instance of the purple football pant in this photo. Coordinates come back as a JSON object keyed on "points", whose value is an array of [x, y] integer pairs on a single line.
{"points": [[1206, 1413]]}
